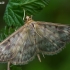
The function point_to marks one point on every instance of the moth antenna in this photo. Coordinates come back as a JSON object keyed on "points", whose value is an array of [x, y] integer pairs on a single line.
{"points": [[8, 68], [39, 57], [24, 14]]}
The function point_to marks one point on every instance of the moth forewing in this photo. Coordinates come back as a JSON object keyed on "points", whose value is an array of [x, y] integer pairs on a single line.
{"points": [[11, 45], [55, 37]]}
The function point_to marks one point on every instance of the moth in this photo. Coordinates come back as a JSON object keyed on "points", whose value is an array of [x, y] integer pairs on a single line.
{"points": [[32, 38]]}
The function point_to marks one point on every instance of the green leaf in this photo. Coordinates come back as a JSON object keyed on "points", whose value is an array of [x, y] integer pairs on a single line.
{"points": [[15, 10], [13, 15]]}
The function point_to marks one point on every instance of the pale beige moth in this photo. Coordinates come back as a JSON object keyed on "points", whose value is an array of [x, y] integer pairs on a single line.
{"points": [[32, 38]]}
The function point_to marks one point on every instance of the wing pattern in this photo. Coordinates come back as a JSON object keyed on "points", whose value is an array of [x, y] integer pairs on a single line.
{"points": [[18, 48], [26, 53], [53, 37], [34, 38]]}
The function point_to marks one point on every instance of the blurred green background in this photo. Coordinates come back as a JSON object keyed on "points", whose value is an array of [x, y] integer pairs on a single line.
{"points": [[57, 11]]}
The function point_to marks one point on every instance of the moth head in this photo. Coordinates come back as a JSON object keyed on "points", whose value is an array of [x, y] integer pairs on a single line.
{"points": [[29, 20]]}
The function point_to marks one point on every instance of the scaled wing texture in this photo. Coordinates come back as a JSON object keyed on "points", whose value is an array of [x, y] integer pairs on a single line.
{"points": [[33, 38]]}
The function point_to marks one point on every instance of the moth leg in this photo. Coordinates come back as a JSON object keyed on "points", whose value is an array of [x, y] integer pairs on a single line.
{"points": [[39, 57], [8, 66], [43, 55], [36, 46], [38, 54]]}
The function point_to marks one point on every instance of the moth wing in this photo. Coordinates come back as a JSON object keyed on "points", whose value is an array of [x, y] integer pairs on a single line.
{"points": [[10, 46], [51, 37], [27, 51], [17, 48]]}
